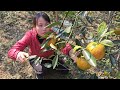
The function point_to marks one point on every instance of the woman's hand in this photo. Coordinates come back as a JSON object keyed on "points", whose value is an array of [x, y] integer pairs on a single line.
{"points": [[73, 55], [22, 56]]}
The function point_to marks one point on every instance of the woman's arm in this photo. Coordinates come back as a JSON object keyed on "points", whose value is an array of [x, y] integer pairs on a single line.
{"points": [[19, 46], [69, 51], [66, 49]]}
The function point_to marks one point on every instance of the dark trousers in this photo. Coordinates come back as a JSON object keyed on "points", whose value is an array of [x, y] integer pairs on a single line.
{"points": [[41, 69]]}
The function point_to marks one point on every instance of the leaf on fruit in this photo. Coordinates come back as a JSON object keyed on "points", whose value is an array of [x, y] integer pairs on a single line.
{"points": [[107, 43], [89, 57]]}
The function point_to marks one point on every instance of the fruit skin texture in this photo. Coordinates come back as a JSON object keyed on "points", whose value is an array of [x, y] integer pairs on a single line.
{"points": [[97, 50], [82, 64]]}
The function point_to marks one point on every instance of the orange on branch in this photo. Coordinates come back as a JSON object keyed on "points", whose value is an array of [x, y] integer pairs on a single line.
{"points": [[96, 49], [82, 64]]}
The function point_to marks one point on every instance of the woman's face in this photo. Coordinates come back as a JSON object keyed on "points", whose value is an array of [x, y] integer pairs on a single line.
{"points": [[40, 26]]}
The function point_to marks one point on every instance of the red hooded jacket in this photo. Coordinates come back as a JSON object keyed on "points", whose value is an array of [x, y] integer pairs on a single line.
{"points": [[30, 40]]}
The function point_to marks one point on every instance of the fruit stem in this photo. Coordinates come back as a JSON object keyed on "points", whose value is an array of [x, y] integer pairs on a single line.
{"points": [[100, 39]]}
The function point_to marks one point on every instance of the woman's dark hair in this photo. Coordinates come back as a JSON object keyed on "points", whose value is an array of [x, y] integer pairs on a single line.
{"points": [[38, 15]]}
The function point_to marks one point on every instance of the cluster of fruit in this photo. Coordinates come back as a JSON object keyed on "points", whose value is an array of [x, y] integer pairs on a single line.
{"points": [[96, 49]]}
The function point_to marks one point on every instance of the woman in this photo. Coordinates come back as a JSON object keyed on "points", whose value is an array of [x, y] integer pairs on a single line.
{"points": [[32, 40]]}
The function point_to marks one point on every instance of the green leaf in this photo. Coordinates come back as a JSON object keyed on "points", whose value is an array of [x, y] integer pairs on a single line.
{"points": [[71, 14], [109, 33], [37, 60], [107, 43], [118, 75], [58, 52], [44, 44], [61, 42], [55, 61], [47, 34], [116, 42], [62, 35], [89, 19], [60, 45], [53, 24], [78, 42], [59, 35], [112, 60], [68, 29], [83, 31], [89, 57], [50, 36], [102, 29]]}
